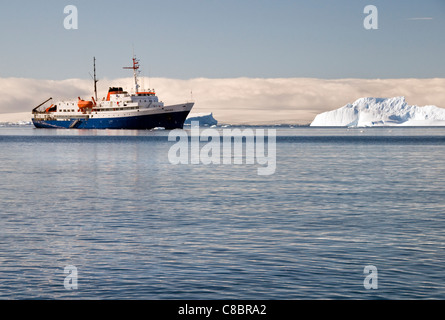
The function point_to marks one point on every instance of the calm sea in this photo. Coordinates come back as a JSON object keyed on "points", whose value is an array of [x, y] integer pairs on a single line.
{"points": [[135, 226]]}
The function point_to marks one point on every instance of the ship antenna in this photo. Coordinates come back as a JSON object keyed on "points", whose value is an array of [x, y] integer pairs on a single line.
{"points": [[94, 78], [135, 68]]}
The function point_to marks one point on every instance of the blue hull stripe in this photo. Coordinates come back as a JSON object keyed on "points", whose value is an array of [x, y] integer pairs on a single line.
{"points": [[171, 120]]}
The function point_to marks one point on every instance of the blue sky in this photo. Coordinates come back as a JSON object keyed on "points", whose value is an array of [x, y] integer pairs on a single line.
{"points": [[185, 39]]}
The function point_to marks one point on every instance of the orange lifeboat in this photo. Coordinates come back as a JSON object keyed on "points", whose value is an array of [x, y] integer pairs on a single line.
{"points": [[82, 104]]}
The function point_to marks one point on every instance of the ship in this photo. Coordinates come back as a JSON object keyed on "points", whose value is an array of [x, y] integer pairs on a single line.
{"points": [[120, 109]]}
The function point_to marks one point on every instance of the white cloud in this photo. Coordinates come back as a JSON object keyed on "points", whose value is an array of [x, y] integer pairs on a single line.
{"points": [[237, 100]]}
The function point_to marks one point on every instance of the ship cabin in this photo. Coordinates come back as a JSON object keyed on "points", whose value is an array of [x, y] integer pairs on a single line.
{"points": [[118, 99]]}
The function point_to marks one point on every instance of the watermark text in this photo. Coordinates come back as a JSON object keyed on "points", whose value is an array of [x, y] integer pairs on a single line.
{"points": [[371, 279], [226, 146], [70, 282], [371, 21], [71, 21]]}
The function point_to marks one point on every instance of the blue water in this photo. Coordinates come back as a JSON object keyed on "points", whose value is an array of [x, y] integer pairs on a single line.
{"points": [[137, 227]]}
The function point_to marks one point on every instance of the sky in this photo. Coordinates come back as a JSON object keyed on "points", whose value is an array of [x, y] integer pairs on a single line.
{"points": [[223, 40]]}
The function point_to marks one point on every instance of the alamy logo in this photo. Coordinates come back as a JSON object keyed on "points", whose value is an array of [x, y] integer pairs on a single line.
{"points": [[71, 20], [218, 148], [372, 19], [70, 282], [371, 280]]}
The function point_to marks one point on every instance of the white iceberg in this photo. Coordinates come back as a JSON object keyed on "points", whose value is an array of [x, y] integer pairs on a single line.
{"points": [[204, 119], [369, 112]]}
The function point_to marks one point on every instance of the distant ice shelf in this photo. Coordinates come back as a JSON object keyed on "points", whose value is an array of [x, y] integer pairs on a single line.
{"points": [[15, 119], [370, 112]]}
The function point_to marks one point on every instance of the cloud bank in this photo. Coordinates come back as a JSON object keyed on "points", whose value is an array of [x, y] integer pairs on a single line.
{"points": [[235, 100]]}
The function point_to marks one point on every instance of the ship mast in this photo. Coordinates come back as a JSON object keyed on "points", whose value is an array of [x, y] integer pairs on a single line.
{"points": [[95, 80], [135, 68]]}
